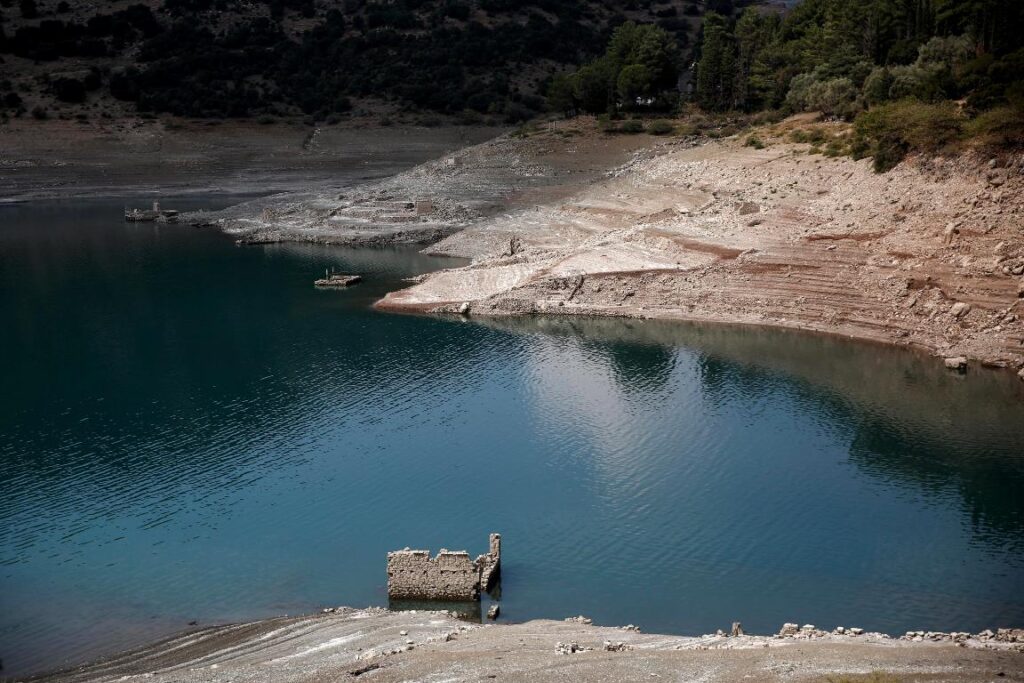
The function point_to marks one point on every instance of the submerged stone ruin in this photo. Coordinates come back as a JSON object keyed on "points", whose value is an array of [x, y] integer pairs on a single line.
{"points": [[450, 576]]}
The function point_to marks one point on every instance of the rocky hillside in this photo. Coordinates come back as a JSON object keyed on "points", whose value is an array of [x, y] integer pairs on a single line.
{"points": [[475, 59]]}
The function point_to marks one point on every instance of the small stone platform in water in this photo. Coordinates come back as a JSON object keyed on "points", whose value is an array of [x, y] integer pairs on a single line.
{"points": [[149, 215], [338, 280]]}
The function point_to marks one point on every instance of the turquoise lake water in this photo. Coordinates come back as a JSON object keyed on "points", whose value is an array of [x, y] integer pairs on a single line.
{"points": [[190, 432]]}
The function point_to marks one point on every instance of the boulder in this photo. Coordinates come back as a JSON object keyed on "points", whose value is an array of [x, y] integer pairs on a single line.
{"points": [[960, 309], [493, 611], [737, 629], [788, 630], [958, 363]]}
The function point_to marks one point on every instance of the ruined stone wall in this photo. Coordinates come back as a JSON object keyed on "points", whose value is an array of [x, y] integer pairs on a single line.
{"points": [[490, 564], [414, 575]]}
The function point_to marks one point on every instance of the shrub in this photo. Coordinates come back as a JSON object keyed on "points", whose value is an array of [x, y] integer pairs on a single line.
{"points": [[632, 127], [660, 127], [813, 136], [877, 86], [606, 125], [40, 113], [890, 131], [754, 141], [833, 97], [1000, 127]]}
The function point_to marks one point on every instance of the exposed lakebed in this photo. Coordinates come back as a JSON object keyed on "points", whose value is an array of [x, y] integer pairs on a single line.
{"points": [[189, 431]]}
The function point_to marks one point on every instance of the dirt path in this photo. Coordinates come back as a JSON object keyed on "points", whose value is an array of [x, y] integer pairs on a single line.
{"points": [[377, 645]]}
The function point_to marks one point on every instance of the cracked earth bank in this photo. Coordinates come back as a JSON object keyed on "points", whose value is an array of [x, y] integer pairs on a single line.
{"points": [[378, 645]]}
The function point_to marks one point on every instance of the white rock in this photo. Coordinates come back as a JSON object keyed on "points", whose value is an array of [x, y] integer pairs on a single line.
{"points": [[956, 363], [960, 309]]}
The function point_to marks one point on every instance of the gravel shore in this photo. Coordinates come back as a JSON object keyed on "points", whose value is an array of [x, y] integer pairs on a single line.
{"points": [[379, 645]]}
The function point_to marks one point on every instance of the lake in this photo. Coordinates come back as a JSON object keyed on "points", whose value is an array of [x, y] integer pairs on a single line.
{"points": [[190, 432]]}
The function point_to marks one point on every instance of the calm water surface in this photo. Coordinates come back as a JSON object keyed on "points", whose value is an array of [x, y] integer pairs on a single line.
{"points": [[190, 432]]}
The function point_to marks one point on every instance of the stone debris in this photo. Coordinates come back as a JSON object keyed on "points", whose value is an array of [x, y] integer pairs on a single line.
{"points": [[579, 620], [452, 575], [958, 363], [1003, 638], [609, 646], [631, 627], [788, 629], [493, 611], [571, 648]]}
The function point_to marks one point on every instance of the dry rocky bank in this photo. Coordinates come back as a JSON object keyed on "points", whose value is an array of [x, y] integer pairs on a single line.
{"points": [[378, 645], [930, 255], [569, 221]]}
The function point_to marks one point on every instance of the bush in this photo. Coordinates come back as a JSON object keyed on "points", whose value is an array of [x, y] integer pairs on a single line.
{"points": [[40, 114], [606, 125], [998, 127], [812, 136], [833, 97], [877, 86], [754, 141], [660, 127], [632, 127], [890, 131]]}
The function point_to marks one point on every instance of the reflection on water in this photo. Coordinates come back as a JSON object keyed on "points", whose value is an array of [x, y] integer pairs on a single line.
{"points": [[190, 431]]}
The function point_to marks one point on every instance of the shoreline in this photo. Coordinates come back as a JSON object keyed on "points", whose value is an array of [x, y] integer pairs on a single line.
{"points": [[565, 220], [46, 160], [421, 645]]}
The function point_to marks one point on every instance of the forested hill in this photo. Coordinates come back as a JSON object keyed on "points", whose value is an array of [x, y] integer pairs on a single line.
{"points": [[238, 58]]}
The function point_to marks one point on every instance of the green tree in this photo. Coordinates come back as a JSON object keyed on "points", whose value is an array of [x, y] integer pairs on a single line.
{"points": [[594, 86], [716, 70], [755, 31], [561, 95], [634, 81]]}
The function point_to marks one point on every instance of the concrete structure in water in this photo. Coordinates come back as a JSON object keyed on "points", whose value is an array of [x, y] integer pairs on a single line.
{"points": [[451, 576]]}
